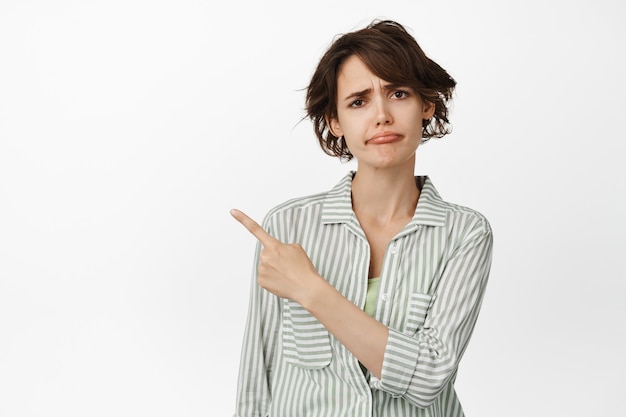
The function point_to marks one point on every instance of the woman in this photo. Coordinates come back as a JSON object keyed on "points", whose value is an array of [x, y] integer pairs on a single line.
{"points": [[365, 296]]}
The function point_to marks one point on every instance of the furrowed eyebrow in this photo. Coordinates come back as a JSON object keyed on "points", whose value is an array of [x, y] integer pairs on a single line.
{"points": [[357, 94], [390, 87], [362, 93]]}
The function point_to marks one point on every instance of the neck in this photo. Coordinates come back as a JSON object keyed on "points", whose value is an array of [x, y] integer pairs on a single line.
{"points": [[385, 195]]}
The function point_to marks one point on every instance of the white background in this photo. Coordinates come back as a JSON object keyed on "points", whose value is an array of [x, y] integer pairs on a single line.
{"points": [[128, 129]]}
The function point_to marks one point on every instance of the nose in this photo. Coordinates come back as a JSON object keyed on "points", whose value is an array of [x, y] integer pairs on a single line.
{"points": [[383, 115]]}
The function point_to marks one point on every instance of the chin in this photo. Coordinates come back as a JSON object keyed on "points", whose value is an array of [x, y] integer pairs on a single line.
{"points": [[387, 161]]}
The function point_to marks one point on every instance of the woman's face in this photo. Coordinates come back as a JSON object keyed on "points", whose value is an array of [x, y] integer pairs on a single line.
{"points": [[380, 122]]}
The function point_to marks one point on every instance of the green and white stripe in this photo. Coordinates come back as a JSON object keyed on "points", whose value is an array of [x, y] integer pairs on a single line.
{"points": [[432, 283]]}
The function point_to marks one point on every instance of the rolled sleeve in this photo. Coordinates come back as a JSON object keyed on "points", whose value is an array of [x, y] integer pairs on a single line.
{"points": [[399, 363]]}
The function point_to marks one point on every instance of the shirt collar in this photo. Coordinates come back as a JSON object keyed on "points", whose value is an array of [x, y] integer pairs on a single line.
{"points": [[337, 208]]}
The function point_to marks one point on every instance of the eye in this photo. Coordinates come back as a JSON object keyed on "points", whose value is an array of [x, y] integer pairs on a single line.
{"points": [[400, 94], [357, 103]]}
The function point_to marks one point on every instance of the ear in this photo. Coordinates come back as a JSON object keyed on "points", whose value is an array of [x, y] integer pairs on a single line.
{"points": [[428, 110], [334, 127]]}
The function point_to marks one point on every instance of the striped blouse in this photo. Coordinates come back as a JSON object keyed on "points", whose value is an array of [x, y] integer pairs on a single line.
{"points": [[431, 287]]}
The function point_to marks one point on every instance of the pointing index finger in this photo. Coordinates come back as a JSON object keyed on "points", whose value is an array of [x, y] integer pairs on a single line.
{"points": [[253, 227]]}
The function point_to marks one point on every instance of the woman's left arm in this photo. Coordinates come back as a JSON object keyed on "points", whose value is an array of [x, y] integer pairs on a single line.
{"points": [[418, 367]]}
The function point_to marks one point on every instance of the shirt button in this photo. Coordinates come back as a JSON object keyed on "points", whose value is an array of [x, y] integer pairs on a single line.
{"points": [[384, 297], [394, 249]]}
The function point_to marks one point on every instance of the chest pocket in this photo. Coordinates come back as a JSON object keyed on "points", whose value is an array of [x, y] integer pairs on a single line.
{"points": [[416, 312], [306, 342]]}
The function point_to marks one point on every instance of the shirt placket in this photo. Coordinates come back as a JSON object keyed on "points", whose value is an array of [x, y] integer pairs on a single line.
{"points": [[362, 392], [387, 279]]}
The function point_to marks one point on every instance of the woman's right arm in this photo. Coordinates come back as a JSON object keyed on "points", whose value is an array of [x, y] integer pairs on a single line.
{"points": [[258, 350]]}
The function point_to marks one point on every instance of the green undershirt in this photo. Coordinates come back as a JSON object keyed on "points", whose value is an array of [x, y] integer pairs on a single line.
{"points": [[373, 286]]}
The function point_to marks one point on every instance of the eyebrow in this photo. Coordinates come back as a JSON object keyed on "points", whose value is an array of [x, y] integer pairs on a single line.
{"points": [[358, 94], [362, 93]]}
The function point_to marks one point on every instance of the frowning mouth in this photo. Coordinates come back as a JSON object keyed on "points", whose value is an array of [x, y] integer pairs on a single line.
{"points": [[384, 137]]}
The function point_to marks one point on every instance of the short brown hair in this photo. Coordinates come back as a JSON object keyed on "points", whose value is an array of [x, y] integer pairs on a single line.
{"points": [[392, 54]]}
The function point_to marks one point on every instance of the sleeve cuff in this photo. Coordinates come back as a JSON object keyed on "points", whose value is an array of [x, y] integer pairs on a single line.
{"points": [[399, 362]]}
